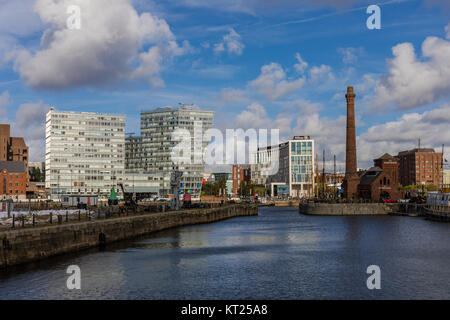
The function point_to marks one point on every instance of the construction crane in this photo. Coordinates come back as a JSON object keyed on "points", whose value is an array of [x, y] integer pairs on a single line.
{"points": [[127, 197]]}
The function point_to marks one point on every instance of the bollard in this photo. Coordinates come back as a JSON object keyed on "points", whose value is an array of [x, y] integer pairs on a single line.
{"points": [[34, 220], [23, 221], [14, 221], [67, 216], [79, 215], [89, 215], [51, 217]]}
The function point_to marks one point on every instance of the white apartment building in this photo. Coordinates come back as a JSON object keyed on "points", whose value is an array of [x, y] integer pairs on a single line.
{"points": [[84, 152], [156, 145], [291, 166], [446, 177]]}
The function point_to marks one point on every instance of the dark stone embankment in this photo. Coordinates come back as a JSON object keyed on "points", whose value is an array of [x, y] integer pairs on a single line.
{"points": [[20, 246], [347, 209]]}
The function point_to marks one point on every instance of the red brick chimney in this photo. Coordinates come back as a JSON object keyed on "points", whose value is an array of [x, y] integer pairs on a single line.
{"points": [[351, 179]]}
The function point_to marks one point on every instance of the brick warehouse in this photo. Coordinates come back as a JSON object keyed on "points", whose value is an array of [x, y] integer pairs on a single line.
{"points": [[13, 180], [420, 166], [380, 181]]}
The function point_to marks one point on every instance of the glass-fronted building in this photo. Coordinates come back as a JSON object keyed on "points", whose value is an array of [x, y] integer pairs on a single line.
{"points": [[84, 152], [134, 153], [292, 167], [156, 145]]}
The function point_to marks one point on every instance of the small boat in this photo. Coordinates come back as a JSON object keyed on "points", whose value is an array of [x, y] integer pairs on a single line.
{"points": [[438, 206]]}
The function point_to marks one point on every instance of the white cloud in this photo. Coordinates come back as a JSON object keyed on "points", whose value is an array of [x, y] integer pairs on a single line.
{"points": [[323, 72], [231, 42], [273, 83], [301, 65], [350, 54], [105, 50], [328, 133], [403, 134], [30, 124], [411, 82], [447, 31], [302, 117], [255, 116], [391, 137]]}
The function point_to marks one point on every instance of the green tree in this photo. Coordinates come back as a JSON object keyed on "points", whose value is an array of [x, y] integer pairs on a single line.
{"points": [[36, 175], [210, 189]]}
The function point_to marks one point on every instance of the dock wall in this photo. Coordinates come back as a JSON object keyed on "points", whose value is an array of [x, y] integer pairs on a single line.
{"points": [[20, 246], [347, 209]]}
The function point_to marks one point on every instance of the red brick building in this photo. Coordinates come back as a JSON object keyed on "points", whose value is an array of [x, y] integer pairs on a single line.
{"points": [[240, 174], [13, 180], [380, 181], [12, 148], [420, 166]]}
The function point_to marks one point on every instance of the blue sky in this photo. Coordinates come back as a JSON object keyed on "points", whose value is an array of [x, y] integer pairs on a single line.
{"points": [[257, 63]]}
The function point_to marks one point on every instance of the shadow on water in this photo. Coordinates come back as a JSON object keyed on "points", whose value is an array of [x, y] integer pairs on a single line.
{"points": [[66, 259]]}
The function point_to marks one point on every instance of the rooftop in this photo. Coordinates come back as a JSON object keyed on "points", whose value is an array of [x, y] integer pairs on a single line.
{"points": [[53, 110], [284, 144], [386, 156], [370, 175], [171, 109], [13, 166], [428, 150]]}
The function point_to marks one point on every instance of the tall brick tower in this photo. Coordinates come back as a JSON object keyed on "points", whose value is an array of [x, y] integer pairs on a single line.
{"points": [[351, 179]]}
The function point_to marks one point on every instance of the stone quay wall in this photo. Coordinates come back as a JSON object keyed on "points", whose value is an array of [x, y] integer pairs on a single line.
{"points": [[347, 209], [20, 246]]}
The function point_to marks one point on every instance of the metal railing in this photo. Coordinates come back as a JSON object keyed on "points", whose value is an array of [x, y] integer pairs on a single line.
{"points": [[37, 218]]}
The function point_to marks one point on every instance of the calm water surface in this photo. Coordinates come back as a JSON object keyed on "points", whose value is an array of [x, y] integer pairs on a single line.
{"points": [[277, 255]]}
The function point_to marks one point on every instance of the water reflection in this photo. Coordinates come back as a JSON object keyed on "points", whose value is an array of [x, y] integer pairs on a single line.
{"points": [[277, 255]]}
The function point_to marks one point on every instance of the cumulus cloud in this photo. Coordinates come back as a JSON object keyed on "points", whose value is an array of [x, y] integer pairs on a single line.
{"points": [[255, 116], [273, 82], [107, 48], [392, 137], [323, 72], [29, 123], [412, 82], [328, 133], [231, 42], [303, 117], [402, 134]]}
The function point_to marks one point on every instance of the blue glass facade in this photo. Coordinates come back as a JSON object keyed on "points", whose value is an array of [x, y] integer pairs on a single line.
{"points": [[301, 162]]}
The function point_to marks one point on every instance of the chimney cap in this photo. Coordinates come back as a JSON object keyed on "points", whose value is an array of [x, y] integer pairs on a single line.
{"points": [[350, 89]]}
